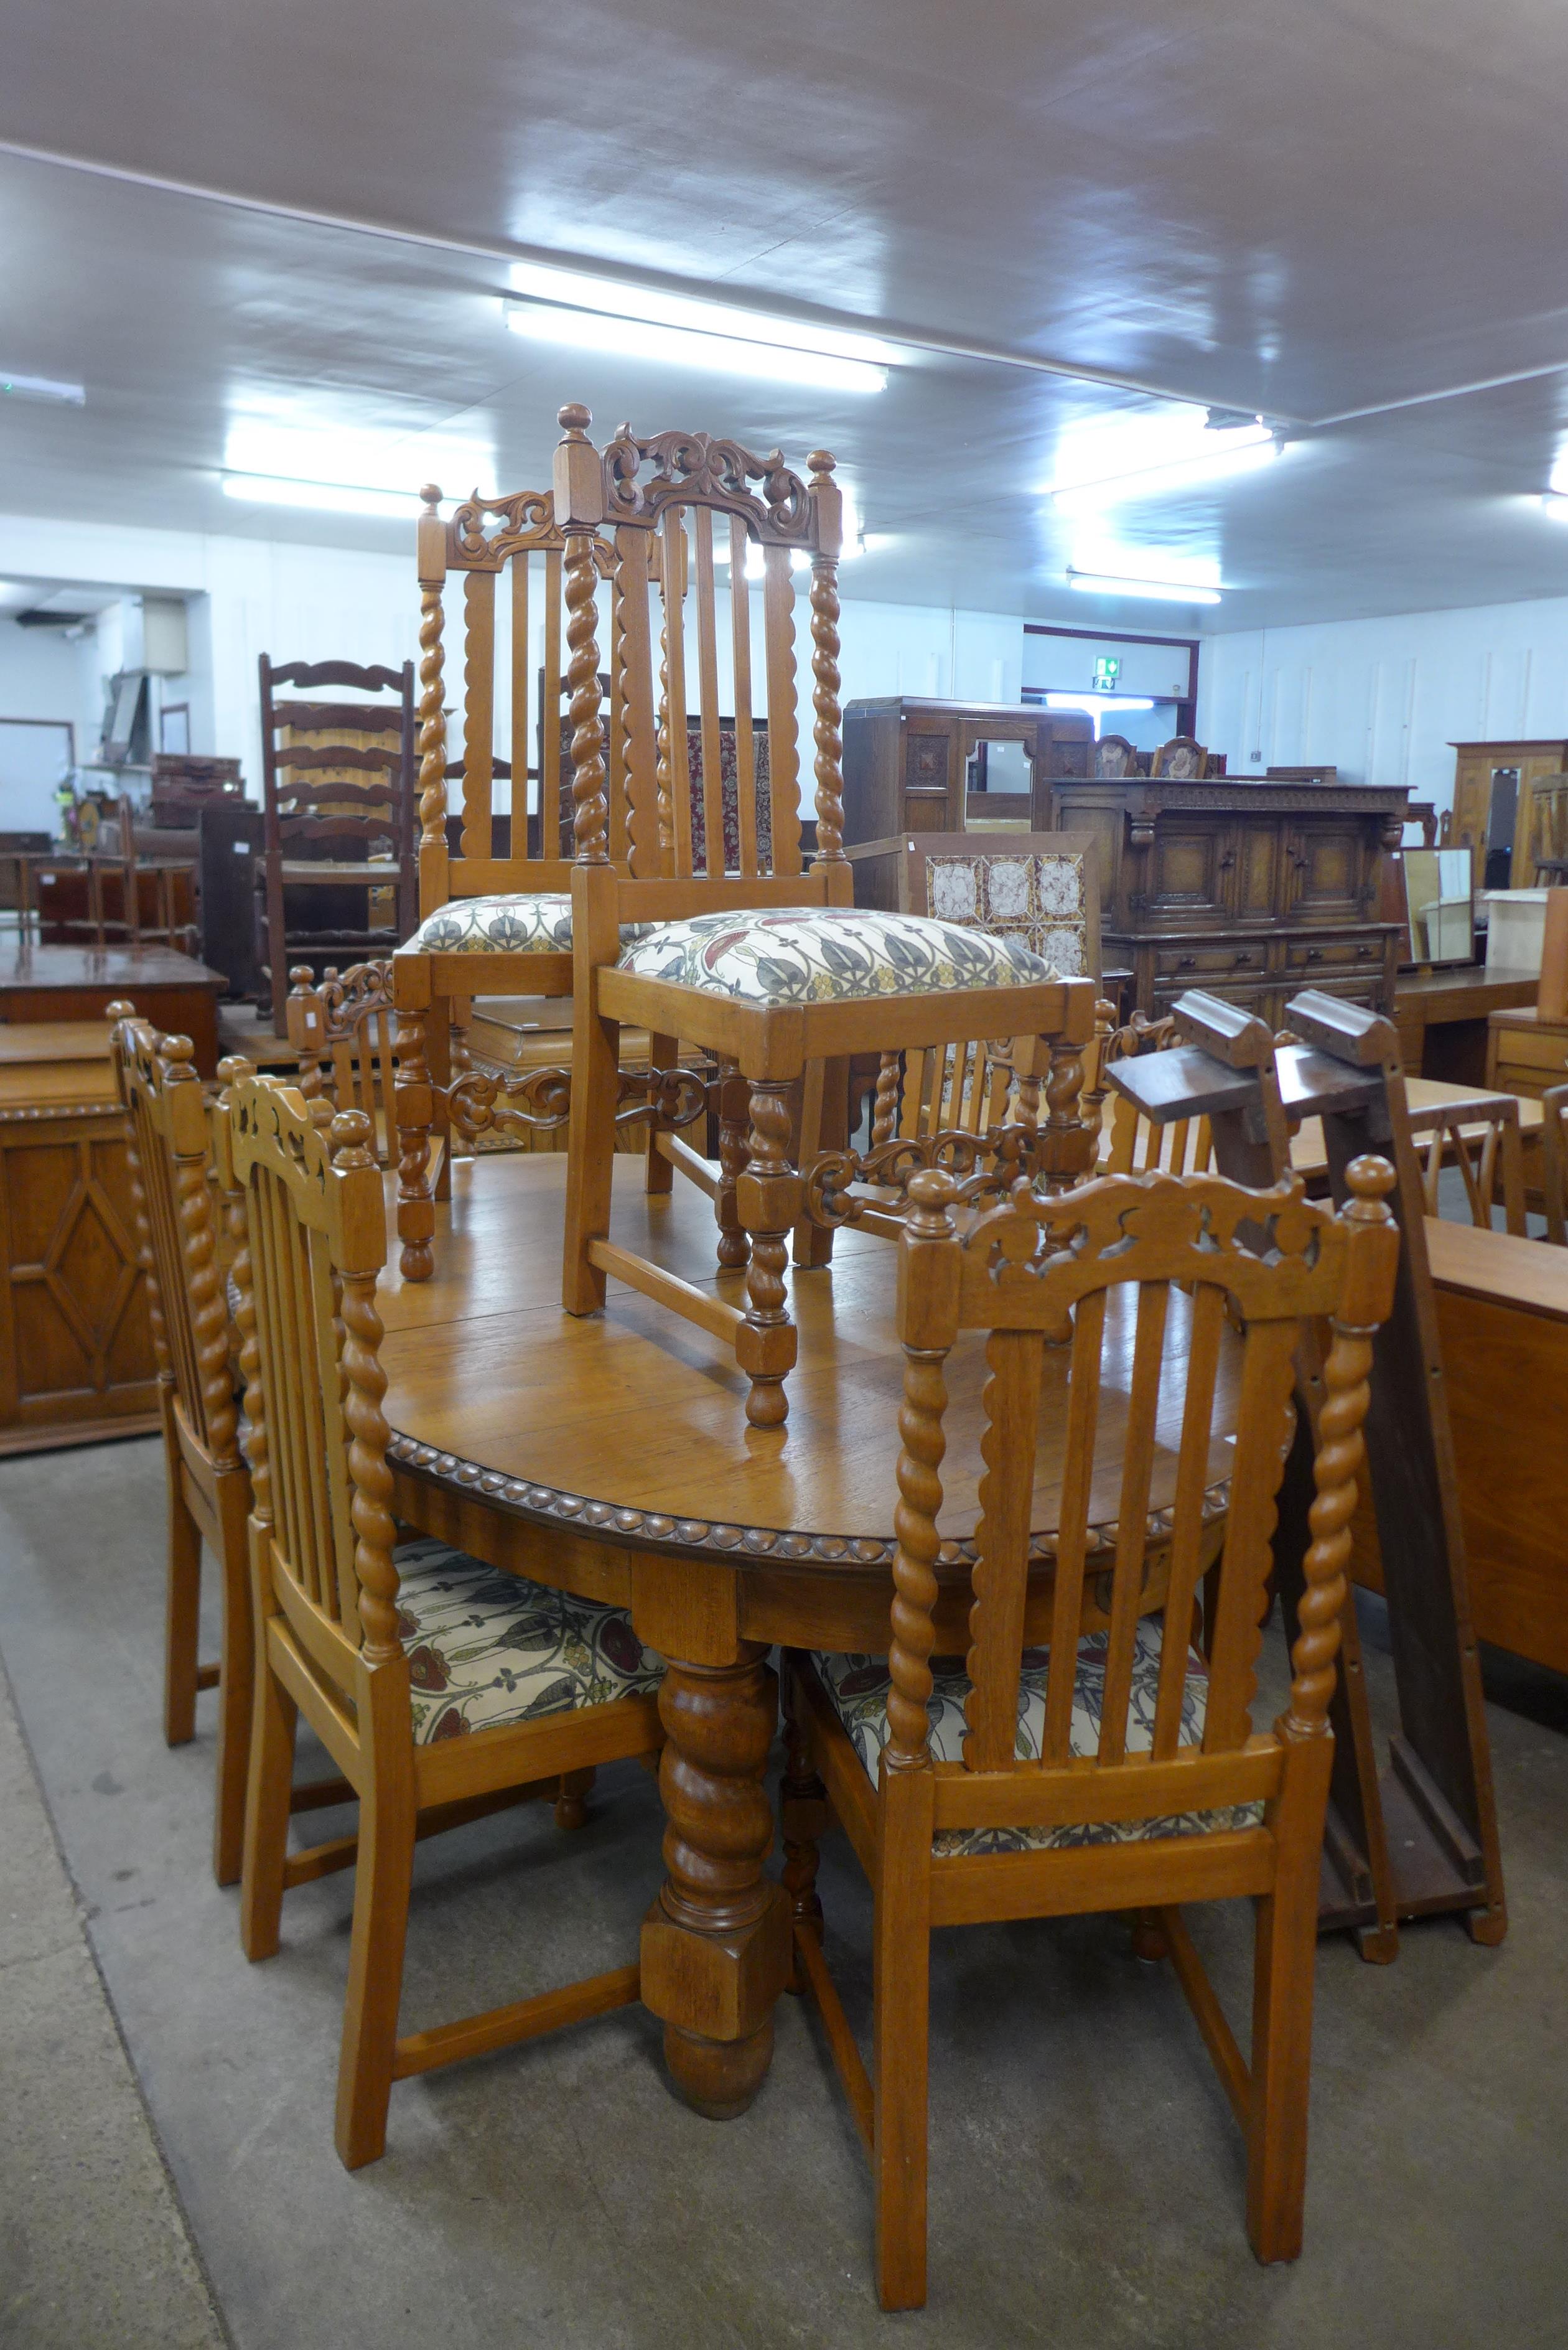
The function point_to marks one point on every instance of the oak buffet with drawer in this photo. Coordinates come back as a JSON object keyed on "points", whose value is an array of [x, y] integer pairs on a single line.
{"points": [[1250, 889]]}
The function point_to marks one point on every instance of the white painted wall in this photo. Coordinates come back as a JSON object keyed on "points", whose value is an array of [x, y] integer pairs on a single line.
{"points": [[1384, 699], [307, 603]]}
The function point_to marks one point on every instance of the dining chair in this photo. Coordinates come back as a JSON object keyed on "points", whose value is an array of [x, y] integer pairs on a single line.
{"points": [[767, 966], [501, 924], [1133, 1144], [208, 1485], [1118, 1770], [343, 1028], [337, 814], [442, 1689], [1481, 1139]]}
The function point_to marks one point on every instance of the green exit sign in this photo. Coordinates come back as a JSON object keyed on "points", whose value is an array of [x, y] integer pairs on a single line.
{"points": [[1107, 669]]}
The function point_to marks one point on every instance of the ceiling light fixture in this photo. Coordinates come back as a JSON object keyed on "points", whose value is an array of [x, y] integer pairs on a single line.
{"points": [[1221, 452], [1555, 503], [326, 497], [1159, 591], [41, 387], [1098, 706], [598, 313]]}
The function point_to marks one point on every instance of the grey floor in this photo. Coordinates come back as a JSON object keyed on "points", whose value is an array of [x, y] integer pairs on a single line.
{"points": [[1086, 2174]]}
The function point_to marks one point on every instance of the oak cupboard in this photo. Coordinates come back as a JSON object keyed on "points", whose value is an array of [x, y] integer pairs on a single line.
{"points": [[1250, 890], [1494, 813], [914, 765]]}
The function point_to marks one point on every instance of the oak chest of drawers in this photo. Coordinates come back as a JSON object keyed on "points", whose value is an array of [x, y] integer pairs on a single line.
{"points": [[1250, 890]]}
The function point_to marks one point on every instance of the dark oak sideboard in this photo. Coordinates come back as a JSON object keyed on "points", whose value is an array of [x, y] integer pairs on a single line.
{"points": [[1250, 889], [907, 762]]}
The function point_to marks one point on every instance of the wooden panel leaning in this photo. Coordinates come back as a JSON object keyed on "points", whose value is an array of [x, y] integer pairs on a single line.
{"points": [[491, 924], [209, 1487], [1124, 1772], [746, 956], [442, 1689]]}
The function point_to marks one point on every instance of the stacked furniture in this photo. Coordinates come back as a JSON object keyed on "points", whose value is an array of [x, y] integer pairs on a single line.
{"points": [[1248, 890]]}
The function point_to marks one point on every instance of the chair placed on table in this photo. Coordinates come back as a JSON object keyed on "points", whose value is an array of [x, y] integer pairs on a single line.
{"points": [[1118, 1772], [489, 924], [442, 1689], [209, 1486], [769, 968], [338, 815]]}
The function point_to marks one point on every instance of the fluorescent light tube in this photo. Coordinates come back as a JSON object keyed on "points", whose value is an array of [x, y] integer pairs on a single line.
{"points": [[40, 387], [1161, 591], [326, 497], [1555, 503], [1240, 449], [702, 348], [579, 289]]}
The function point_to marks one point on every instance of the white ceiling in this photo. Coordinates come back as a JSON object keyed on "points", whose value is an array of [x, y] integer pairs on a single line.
{"points": [[1313, 210]]}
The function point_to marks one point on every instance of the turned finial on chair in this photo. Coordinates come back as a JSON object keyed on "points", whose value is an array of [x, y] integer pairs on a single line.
{"points": [[351, 1136]]}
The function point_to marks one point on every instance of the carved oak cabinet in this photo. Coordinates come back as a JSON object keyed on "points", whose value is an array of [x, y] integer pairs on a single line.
{"points": [[1249, 889]]}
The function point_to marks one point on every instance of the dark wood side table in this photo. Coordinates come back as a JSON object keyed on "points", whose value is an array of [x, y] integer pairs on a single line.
{"points": [[1442, 1015], [176, 993]]}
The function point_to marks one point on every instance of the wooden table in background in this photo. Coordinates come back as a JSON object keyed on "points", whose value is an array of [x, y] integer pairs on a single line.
{"points": [[1441, 1017], [176, 993], [610, 1455], [1309, 1158], [1502, 1316], [76, 1346]]}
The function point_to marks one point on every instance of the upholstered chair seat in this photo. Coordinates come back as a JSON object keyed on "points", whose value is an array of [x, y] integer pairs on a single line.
{"points": [[824, 954], [486, 1648], [857, 1688], [519, 923]]}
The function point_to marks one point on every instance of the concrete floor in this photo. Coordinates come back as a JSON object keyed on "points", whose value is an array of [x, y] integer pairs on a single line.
{"points": [[1087, 2174]]}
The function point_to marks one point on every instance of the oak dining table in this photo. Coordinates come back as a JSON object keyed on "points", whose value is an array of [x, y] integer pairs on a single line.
{"points": [[610, 1455]]}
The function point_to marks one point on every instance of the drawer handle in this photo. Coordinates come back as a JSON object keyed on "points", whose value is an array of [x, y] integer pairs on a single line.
{"points": [[1185, 962], [1242, 960], [1362, 953], [1314, 954]]}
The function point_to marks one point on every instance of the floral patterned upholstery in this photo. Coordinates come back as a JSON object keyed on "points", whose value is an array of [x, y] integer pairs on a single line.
{"points": [[857, 1687], [819, 954], [485, 1648], [522, 924], [510, 925]]}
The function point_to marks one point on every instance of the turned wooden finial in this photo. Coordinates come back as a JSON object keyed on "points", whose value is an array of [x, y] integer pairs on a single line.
{"points": [[120, 1009], [352, 1137], [574, 420], [431, 496], [177, 1053], [1371, 1178]]}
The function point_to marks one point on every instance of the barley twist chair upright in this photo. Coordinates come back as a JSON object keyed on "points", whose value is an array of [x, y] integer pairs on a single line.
{"points": [[442, 1689], [209, 1488], [768, 967], [492, 924], [1121, 1772]]}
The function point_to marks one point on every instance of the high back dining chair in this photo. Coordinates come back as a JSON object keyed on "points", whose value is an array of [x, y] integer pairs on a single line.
{"points": [[1554, 1163], [442, 1689], [337, 813], [1120, 1770], [769, 967], [209, 1487], [490, 924]]}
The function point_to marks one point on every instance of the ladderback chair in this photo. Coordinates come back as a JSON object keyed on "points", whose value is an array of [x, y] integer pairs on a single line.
{"points": [[768, 966], [1120, 1772], [442, 1689], [337, 813], [209, 1487]]}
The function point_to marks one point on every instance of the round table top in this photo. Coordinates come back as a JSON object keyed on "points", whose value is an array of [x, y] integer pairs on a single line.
{"points": [[630, 1425]]}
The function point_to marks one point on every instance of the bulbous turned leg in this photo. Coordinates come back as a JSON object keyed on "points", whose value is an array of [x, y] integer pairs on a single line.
{"points": [[572, 1799], [716, 1943], [770, 1196]]}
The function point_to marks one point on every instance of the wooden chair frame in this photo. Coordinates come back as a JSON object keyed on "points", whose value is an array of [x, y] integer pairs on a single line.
{"points": [[1482, 1139], [325, 1587], [643, 485], [1017, 1274], [386, 807], [1554, 1162], [342, 1027], [208, 1483]]}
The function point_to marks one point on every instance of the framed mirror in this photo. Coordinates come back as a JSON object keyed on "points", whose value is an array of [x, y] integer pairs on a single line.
{"points": [[999, 781], [1441, 907]]}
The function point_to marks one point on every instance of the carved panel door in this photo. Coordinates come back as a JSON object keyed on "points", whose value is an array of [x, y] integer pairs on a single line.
{"points": [[1331, 863], [1190, 868]]}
